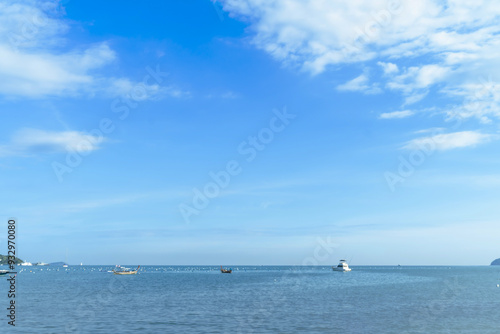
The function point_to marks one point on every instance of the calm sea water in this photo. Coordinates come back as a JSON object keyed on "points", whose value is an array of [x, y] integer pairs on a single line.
{"points": [[256, 299]]}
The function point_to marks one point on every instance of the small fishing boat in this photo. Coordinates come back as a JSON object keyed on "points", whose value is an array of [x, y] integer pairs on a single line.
{"points": [[125, 271], [3, 272], [226, 271], [342, 266]]}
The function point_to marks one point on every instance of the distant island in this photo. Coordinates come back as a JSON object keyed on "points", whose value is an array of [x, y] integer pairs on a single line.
{"points": [[55, 264], [4, 260], [496, 262]]}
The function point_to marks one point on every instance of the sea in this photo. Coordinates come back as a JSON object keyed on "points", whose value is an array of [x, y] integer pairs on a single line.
{"points": [[255, 299]]}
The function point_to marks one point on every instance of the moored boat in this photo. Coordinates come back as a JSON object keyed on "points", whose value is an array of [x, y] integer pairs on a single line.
{"points": [[226, 271], [342, 266], [41, 264], [125, 271]]}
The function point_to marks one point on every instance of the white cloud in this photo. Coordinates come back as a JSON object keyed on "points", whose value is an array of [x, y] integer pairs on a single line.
{"points": [[360, 84], [35, 60], [31, 23], [450, 43], [35, 74], [415, 97], [415, 78], [396, 114], [480, 100], [388, 68], [430, 74], [431, 130], [448, 141], [141, 91], [414, 82], [318, 33], [34, 141]]}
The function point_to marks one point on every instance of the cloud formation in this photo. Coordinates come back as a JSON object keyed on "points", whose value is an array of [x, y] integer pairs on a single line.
{"points": [[34, 141], [448, 141], [445, 46], [360, 84], [396, 114], [35, 62], [319, 33]]}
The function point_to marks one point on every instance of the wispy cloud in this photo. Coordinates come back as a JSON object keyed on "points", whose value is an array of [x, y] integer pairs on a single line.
{"points": [[481, 101], [360, 30], [396, 114], [415, 97], [450, 38], [416, 77], [360, 84], [36, 63], [448, 141], [388, 68], [40, 73], [34, 141], [141, 91]]}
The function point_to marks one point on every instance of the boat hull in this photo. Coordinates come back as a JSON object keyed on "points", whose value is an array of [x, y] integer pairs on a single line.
{"points": [[125, 273], [225, 271]]}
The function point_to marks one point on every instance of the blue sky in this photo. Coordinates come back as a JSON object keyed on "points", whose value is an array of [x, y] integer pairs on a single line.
{"points": [[251, 132]]}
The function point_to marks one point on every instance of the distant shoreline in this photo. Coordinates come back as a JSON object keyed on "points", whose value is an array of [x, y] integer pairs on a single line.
{"points": [[272, 265]]}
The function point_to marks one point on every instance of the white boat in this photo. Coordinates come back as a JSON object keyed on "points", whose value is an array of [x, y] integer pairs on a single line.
{"points": [[342, 266], [26, 264], [41, 264]]}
